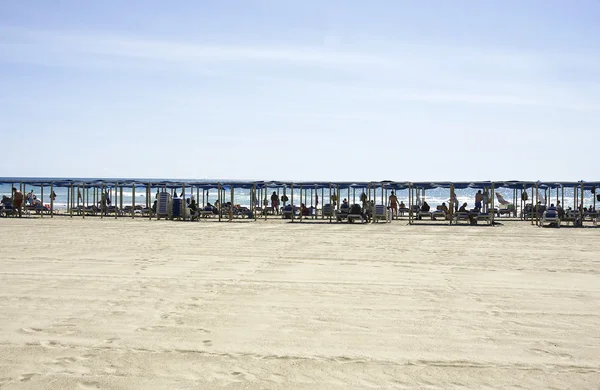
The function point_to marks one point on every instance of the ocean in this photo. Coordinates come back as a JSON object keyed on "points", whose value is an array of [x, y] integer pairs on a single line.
{"points": [[242, 196]]}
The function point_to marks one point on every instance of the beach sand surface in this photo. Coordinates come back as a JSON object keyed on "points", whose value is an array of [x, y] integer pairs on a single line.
{"points": [[138, 304]]}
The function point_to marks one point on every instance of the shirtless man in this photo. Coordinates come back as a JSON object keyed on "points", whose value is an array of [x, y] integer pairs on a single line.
{"points": [[393, 203], [478, 199], [17, 200]]}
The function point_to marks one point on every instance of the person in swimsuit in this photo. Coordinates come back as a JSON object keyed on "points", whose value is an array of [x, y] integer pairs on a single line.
{"points": [[478, 200], [275, 203], [17, 200], [393, 204]]}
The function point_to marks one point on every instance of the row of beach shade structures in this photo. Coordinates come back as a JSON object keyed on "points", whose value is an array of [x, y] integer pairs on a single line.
{"points": [[81, 192]]}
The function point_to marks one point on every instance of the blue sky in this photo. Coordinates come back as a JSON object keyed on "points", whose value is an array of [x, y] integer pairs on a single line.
{"points": [[311, 90]]}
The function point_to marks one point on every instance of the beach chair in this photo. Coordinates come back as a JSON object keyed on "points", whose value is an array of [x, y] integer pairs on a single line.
{"points": [[402, 211], [164, 205], [438, 213], [381, 212], [91, 210], [147, 212], [342, 214], [591, 215], [550, 217], [355, 213], [328, 211], [423, 214], [7, 209], [208, 212], [463, 216], [487, 217], [570, 216], [287, 212], [506, 209]]}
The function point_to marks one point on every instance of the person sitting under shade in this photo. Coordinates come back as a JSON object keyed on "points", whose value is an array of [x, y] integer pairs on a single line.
{"points": [[304, 211], [194, 211], [345, 205], [463, 209]]}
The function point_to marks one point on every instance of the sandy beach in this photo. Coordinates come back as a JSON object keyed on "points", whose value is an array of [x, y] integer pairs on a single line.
{"points": [[138, 304]]}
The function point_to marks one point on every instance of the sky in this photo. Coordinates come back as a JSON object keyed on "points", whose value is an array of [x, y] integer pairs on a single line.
{"points": [[301, 90]]}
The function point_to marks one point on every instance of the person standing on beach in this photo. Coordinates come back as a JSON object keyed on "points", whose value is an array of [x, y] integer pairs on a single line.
{"points": [[486, 200], [17, 200], [275, 203], [478, 200], [393, 204]]}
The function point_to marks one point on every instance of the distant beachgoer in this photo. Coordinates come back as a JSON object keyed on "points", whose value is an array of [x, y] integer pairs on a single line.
{"points": [[29, 197], [103, 201], [304, 211], [316, 199], [393, 204], [334, 199], [363, 200], [17, 200], [478, 199], [275, 202], [194, 209], [345, 204], [463, 209], [425, 207], [444, 208], [284, 199], [53, 196]]}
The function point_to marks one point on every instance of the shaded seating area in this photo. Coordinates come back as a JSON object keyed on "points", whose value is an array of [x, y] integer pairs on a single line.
{"points": [[575, 201]]}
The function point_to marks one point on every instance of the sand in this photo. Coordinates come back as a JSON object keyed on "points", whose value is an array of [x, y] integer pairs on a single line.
{"points": [[257, 305]]}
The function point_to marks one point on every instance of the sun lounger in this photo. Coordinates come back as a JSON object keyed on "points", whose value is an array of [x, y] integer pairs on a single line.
{"points": [[164, 205], [438, 214], [355, 217], [381, 212], [571, 216], [464, 216], [402, 211], [342, 213], [287, 212], [91, 210], [207, 212], [550, 217], [328, 211], [484, 217], [7, 209], [423, 214], [591, 215]]}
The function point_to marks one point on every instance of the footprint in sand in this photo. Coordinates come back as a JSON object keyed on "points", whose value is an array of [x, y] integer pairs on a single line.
{"points": [[30, 330], [89, 385], [49, 343], [149, 328], [26, 377], [64, 360], [208, 343]]}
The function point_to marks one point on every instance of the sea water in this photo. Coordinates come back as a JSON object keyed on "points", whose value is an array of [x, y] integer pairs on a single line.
{"points": [[242, 196]]}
